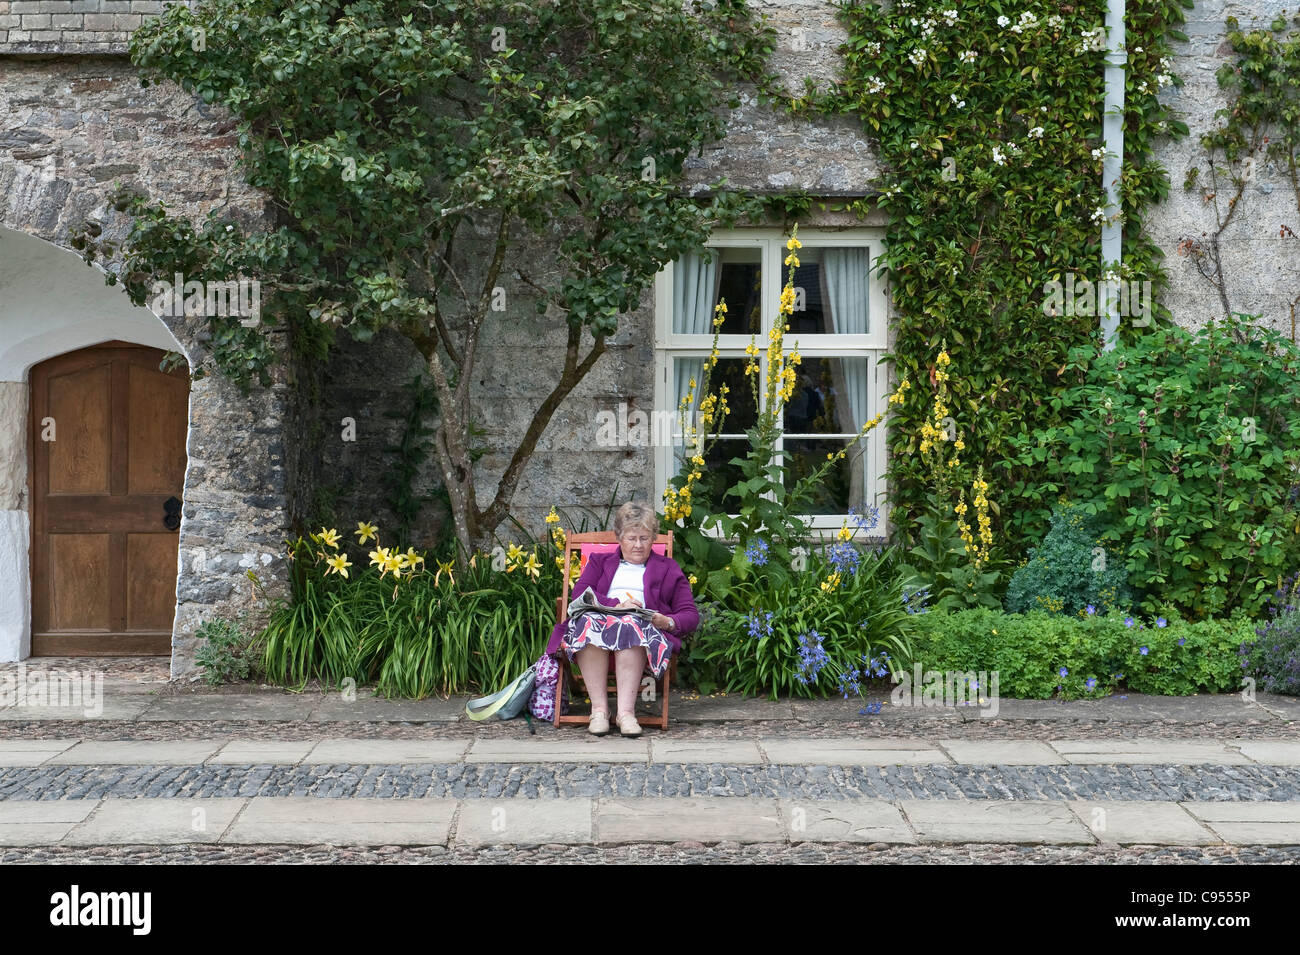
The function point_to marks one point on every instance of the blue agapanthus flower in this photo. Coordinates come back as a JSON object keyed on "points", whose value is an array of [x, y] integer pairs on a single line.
{"points": [[844, 557], [915, 601], [760, 625], [757, 551], [866, 518], [871, 709], [812, 657]]}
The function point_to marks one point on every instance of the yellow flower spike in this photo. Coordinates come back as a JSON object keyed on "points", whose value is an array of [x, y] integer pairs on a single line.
{"points": [[552, 518], [365, 531]]}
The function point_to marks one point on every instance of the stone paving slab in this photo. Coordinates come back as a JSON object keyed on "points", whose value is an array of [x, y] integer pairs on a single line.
{"points": [[343, 821], [1142, 823], [861, 820], [730, 752], [225, 706], [1147, 751], [31, 752], [1271, 752], [40, 823], [113, 708], [1001, 752], [155, 822], [387, 751], [255, 752], [1239, 823], [1034, 822], [485, 822], [851, 752], [699, 819], [137, 752], [334, 708], [585, 749]]}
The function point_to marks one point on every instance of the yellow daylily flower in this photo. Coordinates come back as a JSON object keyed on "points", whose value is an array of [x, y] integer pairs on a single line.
{"points": [[533, 566], [446, 567], [365, 531], [338, 564], [329, 538]]}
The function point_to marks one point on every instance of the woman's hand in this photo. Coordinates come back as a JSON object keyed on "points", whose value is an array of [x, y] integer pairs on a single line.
{"points": [[628, 602], [664, 623]]}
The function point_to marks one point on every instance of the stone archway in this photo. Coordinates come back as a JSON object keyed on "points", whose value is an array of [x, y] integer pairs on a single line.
{"points": [[233, 518]]}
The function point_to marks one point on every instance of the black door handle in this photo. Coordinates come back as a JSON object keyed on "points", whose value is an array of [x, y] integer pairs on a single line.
{"points": [[172, 513]]}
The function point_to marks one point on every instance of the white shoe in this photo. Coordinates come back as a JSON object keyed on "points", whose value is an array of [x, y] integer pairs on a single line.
{"points": [[628, 726], [599, 724]]}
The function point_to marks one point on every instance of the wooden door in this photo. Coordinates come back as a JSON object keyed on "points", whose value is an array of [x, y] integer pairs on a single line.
{"points": [[104, 553]]}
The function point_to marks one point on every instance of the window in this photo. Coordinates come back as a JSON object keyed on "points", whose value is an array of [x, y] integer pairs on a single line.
{"points": [[838, 327]]}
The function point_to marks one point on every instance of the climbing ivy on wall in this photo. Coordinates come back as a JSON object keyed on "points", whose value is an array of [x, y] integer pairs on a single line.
{"points": [[987, 117]]}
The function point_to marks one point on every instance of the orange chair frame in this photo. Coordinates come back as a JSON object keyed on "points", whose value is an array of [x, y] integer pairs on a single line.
{"points": [[569, 672]]}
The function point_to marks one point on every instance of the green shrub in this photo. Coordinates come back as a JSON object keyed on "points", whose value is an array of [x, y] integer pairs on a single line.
{"points": [[1069, 571], [1187, 445], [227, 653], [1272, 657], [754, 643], [1098, 654]]}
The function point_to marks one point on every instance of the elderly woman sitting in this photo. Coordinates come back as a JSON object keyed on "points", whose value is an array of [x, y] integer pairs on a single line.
{"points": [[634, 577]]}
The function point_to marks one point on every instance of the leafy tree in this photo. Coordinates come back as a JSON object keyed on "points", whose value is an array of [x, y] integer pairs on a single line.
{"points": [[410, 151]]}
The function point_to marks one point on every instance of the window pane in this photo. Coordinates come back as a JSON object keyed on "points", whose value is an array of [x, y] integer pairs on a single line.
{"points": [[733, 275], [718, 474], [831, 396], [836, 284], [841, 486], [743, 412]]}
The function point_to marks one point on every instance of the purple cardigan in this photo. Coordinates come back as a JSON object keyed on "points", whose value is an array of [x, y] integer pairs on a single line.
{"points": [[666, 590]]}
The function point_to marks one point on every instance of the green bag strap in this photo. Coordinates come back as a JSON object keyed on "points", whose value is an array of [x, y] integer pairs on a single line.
{"points": [[485, 707]]}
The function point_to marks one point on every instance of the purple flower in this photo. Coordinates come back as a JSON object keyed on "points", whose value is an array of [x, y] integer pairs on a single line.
{"points": [[867, 518], [1090, 683], [1161, 622], [1091, 610], [1128, 622], [1143, 651], [1064, 672], [1181, 641], [757, 552]]}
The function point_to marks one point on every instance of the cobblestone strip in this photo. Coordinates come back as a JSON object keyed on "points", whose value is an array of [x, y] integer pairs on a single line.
{"points": [[755, 853], [563, 780], [864, 728]]}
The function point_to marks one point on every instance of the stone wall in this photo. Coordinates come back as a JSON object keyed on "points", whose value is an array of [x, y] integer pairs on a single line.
{"points": [[75, 120]]}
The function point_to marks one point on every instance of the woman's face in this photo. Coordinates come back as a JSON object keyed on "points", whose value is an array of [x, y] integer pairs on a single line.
{"points": [[635, 544]]}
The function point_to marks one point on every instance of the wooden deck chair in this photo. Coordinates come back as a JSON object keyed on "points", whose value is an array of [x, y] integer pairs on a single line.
{"points": [[585, 545]]}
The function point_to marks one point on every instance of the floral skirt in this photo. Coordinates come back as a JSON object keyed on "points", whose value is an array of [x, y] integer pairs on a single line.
{"points": [[611, 631]]}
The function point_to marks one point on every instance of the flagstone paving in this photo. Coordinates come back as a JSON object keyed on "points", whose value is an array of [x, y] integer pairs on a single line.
{"points": [[172, 772]]}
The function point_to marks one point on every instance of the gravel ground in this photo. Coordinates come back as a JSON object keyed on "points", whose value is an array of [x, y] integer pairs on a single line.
{"points": [[861, 728], [660, 780], [679, 853]]}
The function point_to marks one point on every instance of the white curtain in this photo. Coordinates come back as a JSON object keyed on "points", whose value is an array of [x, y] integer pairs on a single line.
{"points": [[845, 272], [695, 290]]}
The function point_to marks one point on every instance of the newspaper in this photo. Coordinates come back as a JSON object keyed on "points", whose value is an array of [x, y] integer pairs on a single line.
{"points": [[586, 601]]}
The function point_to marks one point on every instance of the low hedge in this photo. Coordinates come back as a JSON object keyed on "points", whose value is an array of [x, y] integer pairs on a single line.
{"points": [[1029, 651]]}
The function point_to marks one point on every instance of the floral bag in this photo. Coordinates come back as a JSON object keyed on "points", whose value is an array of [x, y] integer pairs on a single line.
{"points": [[542, 703]]}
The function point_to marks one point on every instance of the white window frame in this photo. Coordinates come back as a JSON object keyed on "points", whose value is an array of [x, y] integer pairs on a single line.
{"points": [[873, 345]]}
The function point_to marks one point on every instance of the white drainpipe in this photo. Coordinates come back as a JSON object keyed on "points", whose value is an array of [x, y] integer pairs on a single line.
{"points": [[1112, 231]]}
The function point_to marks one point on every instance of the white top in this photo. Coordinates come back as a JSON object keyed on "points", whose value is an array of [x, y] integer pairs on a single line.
{"points": [[628, 579]]}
